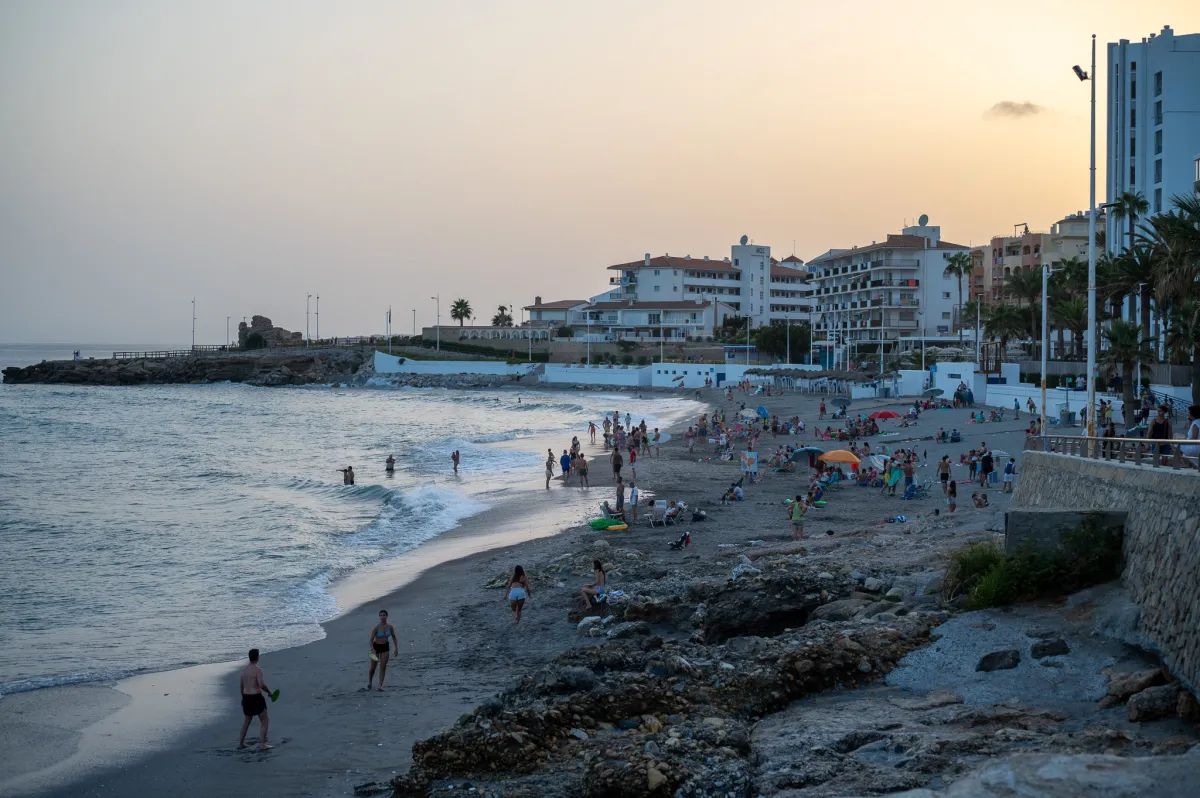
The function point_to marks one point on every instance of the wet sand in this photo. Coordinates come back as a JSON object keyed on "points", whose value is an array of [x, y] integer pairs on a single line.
{"points": [[457, 642]]}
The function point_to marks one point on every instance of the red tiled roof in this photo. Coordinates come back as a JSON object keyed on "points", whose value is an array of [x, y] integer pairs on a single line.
{"points": [[679, 304], [784, 271], [792, 259], [893, 241], [562, 304], [674, 262]]}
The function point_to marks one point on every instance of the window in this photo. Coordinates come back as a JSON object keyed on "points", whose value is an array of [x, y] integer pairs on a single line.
{"points": [[674, 288], [735, 261], [945, 295], [656, 272], [1132, 146], [1158, 142], [1158, 200], [656, 289], [1132, 175], [1158, 171], [1198, 170], [1158, 112], [945, 314], [1157, 83], [1133, 90], [1133, 117]]}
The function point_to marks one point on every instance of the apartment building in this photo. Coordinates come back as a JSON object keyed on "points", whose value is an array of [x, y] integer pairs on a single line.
{"points": [[871, 296], [551, 314], [1067, 238], [1153, 122], [650, 320], [750, 281]]}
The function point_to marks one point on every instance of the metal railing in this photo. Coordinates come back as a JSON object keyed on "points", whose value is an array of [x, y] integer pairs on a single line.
{"points": [[195, 351], [1134, 451]]}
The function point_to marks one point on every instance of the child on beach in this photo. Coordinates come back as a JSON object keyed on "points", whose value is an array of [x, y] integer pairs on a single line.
{"points": [[796, 513], [952, 496], [1010, 473]]}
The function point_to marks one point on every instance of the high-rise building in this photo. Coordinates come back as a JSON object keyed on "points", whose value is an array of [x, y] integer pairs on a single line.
{"points": [[1153, 123]]}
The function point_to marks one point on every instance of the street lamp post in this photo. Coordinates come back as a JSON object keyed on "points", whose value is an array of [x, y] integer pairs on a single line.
{"points": [[389, 329], [1045, 339], [193, 323], [1141, 299], [438, 326], [307, 337], [588, 316], [319, 317], [414, 310], [788, 316], [1091, 334], [227, 339]]}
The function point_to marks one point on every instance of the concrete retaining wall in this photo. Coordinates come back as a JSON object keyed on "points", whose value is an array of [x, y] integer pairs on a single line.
{"points": [[390, 364], [625, 376], [1162, 540]]}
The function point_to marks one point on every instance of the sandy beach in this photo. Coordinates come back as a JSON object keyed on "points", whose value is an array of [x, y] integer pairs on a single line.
{"points": [[457, 642]]}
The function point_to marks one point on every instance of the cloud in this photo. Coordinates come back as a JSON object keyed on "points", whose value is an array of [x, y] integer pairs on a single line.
{"points": [[1007, 109]]}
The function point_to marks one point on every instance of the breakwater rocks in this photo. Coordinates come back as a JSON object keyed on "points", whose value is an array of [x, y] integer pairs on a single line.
{"points": [[295, 367]]}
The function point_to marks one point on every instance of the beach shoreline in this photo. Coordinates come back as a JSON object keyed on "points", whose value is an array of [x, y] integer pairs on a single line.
{"points": [[118, 730]]}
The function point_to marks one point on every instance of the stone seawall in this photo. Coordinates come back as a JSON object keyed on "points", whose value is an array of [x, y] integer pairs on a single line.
{"points": [[1162, 540]]}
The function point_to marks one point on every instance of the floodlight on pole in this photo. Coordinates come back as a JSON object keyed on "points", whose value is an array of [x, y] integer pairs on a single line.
{"points": [[307, 337], [438, 326], [1091, 331]]}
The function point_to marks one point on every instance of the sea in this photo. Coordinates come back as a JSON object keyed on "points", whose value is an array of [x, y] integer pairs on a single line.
{"points": [[153, 527]]}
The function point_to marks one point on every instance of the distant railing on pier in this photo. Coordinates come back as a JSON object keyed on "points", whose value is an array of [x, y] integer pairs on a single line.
{"points": [[1133, 451], [195, 351]]}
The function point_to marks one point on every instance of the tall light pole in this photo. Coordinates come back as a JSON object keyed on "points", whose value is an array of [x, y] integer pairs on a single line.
{"points": [[414, 310], [438, 327], [307, 337], [193, 323], [788, 316], [1141, 299], [227, 339], [1045, 340], [660, 335], [588, 315], [1091, 333], [319, 317], [388, 327]]}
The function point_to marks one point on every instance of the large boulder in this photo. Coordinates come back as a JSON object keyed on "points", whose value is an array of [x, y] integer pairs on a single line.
{"points": [[1154, 703], [843, 610]]}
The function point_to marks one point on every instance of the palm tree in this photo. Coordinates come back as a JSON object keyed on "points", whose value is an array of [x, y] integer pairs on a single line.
{"points": [[959, 265], [1003, 322], [1124, 348], [1072, 314], [1026, 286], [502, 318], [461, 311], [1136, 270], [1130, 206], [1176, 237]]}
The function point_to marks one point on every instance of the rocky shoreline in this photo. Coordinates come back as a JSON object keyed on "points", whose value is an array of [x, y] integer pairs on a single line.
{"points": [[267, 368]]}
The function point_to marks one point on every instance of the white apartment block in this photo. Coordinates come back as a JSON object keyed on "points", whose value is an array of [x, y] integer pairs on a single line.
{"points": [[750, 281], [876, 294], [1153, 122], [650, 320]]}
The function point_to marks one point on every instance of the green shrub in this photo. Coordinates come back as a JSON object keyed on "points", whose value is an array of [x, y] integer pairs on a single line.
{"points": [[968, 566], [643, 360], [1089, 554], [626, 359]]}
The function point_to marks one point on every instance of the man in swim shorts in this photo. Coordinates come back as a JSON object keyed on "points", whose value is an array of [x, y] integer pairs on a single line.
{"points": [[252, 684]]}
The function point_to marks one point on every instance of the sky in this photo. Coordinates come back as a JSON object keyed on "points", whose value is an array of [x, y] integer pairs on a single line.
{"points": [[247, 154]]}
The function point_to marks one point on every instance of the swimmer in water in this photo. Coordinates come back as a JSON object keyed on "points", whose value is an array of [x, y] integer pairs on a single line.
{"points": [[390, 464], [347, 475], [454, 458]]}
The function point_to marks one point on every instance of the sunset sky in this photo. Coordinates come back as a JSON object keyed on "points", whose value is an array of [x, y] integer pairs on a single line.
{"points": [[250, 153]]}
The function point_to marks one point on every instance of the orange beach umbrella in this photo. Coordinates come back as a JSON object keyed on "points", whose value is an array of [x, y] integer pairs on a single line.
{"points": [[840, 456]]}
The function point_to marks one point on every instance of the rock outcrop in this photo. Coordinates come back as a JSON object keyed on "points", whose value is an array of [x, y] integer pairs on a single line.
{"points": [[271, 335], [297, 366]]}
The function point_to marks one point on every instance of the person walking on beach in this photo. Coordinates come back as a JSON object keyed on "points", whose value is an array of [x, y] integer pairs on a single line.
{"points": [[633, 498], [389, 465], [620, 496], [252, 684], [518, 591], [549, 467], [822, 415], [592, 430], [454, 458], [582, 467], [952, 496], [657, 443], [617, 463], [381, 634], [943, 470], [633, 454], [564, 463], [347, 475]]}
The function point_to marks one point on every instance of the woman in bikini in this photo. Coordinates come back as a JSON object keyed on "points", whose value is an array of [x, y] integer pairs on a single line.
{"points": [[382, 633], [518, 591], [597, 590]]}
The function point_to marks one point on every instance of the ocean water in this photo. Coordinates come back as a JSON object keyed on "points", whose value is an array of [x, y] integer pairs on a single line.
{"points": [[154, 527]]}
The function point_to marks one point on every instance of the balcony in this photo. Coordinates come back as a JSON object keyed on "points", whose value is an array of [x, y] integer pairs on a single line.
{"points": [[622, 280], [895, 283]]}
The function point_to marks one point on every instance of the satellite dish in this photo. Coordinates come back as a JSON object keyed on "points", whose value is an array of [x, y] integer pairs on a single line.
{"points": [[745, 240], [924, 220]]}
